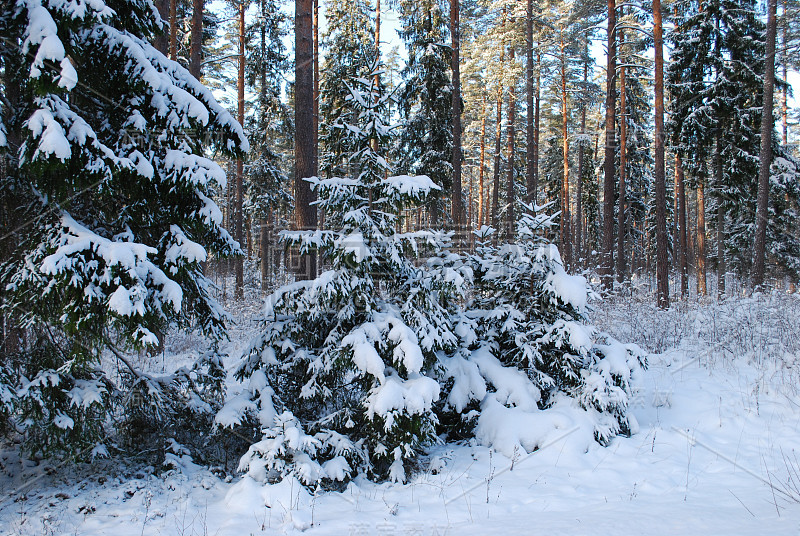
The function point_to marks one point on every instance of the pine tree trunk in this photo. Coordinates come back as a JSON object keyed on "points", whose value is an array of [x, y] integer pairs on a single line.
{"points": [[718, 178], [173, 30], [161, 42], [607, 268], [765, 155], [497, 162], [701, 237], [676, 240], [536, 118], [579, 193], [662, 260], [315, 23], [481, 215], [784, 62], [264, 249], [457, 207], [529, 150], [305, 151], [691, 234], [239, 231], [510, 197], [498, 148], [377, 26], [196, 51], [683, 249], [566, 240], [623, 161]]}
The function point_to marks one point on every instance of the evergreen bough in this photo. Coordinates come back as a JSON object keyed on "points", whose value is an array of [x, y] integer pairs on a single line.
{"points": [[106, 214]]}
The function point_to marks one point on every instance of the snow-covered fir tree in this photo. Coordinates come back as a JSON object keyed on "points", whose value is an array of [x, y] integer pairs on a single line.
{"points": [[343, 377], [104, 167], [528, 339]]}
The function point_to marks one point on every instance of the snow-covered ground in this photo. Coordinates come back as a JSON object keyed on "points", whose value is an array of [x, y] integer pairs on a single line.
{"points": [[716, 453]]}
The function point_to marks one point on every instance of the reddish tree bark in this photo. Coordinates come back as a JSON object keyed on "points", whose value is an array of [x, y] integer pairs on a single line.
{"points": [[566, 240], [510, 198], [304, 148], [481, 215], [238, 203], [457, 207], [530, 178], [623, 162], [662, 261], [196, 51], [607, 268]]}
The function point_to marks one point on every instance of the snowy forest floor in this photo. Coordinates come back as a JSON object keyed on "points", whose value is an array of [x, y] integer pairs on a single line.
{"points": [[716, 453]]}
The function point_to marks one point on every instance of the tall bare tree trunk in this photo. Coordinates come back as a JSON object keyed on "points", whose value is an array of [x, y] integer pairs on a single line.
{"points": [[264, 242], [378, 27], [457, 207], [196, 51], [529, 150], [315, 23], [701, 237], [718, 178], [173, 30], [676, 240], [683, 230], [765, 155], [498, 141], [662, 261], [512, 110], [566, 240], [784, 62], [497, 162], [239, 231], [579, 193], [481, 215], [161, 42], [536, 118], [305, 151], [623, 161], [608, 167]]}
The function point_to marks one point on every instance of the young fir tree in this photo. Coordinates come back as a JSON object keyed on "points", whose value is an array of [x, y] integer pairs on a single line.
{"points": [[106, 211], [343, 377], [425, 143], [526, 327], [350, 52]]}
